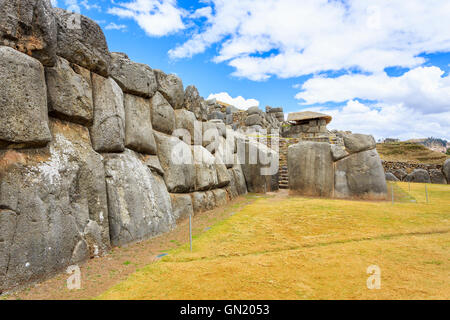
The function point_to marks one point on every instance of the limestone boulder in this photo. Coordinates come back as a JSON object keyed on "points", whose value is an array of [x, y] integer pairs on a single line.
{"points": [[446, 170], [194, 103], [162, 114], [177, 162], [152, 162], [53, 206], [23, 100], [182, 205], [220, 197], [210, 135], [338, 152], [254, 110], [81, 41], [361, 175], [418, 175], [254, 120], [69, 90], [205, 169], [437, 177], [138, 125], [400, 174], [203, 201], [171, 87], [139, 204], [108, 128], [358, 142], [134, 78], [391, 177], [187, 128], [30, 27], [232, 187], [310, 167]]}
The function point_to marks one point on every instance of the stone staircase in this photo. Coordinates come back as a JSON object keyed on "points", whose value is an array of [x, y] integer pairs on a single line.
{"points": [[283, 177]]}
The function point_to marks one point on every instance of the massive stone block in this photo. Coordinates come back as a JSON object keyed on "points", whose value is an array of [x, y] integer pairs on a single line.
{"points": [[171, 87], [400, 174], [69, 90], [194, 103], [391, 177], [53, 206], [418, 175], [437, 177], [241, 186], [205, 169], [81, 41], [358, 142], [220, 197], [134, 78], [138, 201], [154, 165], [177, 162], [182, 205], [163, 116], [191, 129], [23, 100], [29, 26], [138, 125], [446, 170], [108, 128], [310, 167], [361, 175], [203, 201]]}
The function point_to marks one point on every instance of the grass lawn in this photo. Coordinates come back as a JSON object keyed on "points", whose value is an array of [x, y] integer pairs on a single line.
{"points": [[305, 248]]}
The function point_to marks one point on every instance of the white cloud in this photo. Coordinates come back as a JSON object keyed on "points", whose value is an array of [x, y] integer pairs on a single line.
{"points": [[54, 3], [238, 102], [155, 17], [316, 35], [423, 89], [388, 120], [113, 26], [88, 6]]}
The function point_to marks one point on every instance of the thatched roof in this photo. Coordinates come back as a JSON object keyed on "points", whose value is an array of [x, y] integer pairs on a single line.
{"points": [[308, 115]]}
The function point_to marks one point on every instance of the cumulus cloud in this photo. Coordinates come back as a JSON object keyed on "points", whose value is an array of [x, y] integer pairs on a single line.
{"points": [[288, 38], [156, 17], [423, 89], [388, 120], [238, 102], [114, 26]]}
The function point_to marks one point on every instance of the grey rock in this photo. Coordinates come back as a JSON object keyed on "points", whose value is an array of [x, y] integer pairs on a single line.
{"points": [[400, 174], [162, 114], [418, 175], [391, 177], [446, 170], [310, 168], [358, 142], [187, 127], [23, 113], [138, 125], [223, 178], [69, 90], [232, 187], [205, 168], [338, 152], [139, 204], [361, 175], [239, 177], [254, 110], [171, 87], [108, 128], [203, 201], [81, 41], [177, 162], [229, 119], [437, 177], [182, 206], [134, 78], [30, 27], [154, 165], [216, 115], [224, 151], [210, 135], [53, 206], [194, 103], [220, 197], [221, 127], [254, 120]]}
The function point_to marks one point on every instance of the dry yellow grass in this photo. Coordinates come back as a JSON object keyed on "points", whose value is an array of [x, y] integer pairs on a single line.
{"points": [[302, 248], [410, 152]]}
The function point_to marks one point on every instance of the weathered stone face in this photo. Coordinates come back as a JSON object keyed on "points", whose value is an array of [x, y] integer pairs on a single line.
{"points": [[338, 152], [177, 162], [163, 116], [29, 26], [220, 197], [187, 128], [418, 175], [203, 201], [69, 90], [311, 168], [81, 41], [358, 142], [23, 113], [139, 204], [446, 170], [241, 186], [223, 178], [53, 206], [134, 78], [205, 169], [171, 87], [391, 177], [193, 102], [254, 119], [182, 205], [361, 175], [400, 174], [138, 125], [437, 177], [152, 162], [108, 128]]}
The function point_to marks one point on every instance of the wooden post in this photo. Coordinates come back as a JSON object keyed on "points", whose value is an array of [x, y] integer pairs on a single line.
{"points": [[190, 231]]}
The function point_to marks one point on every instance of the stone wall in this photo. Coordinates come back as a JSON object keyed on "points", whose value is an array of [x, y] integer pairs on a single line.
{"points": [[97, 150], [415, 172]]}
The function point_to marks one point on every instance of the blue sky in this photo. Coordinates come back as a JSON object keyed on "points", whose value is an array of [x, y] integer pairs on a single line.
{"points": [[378, 67]]}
